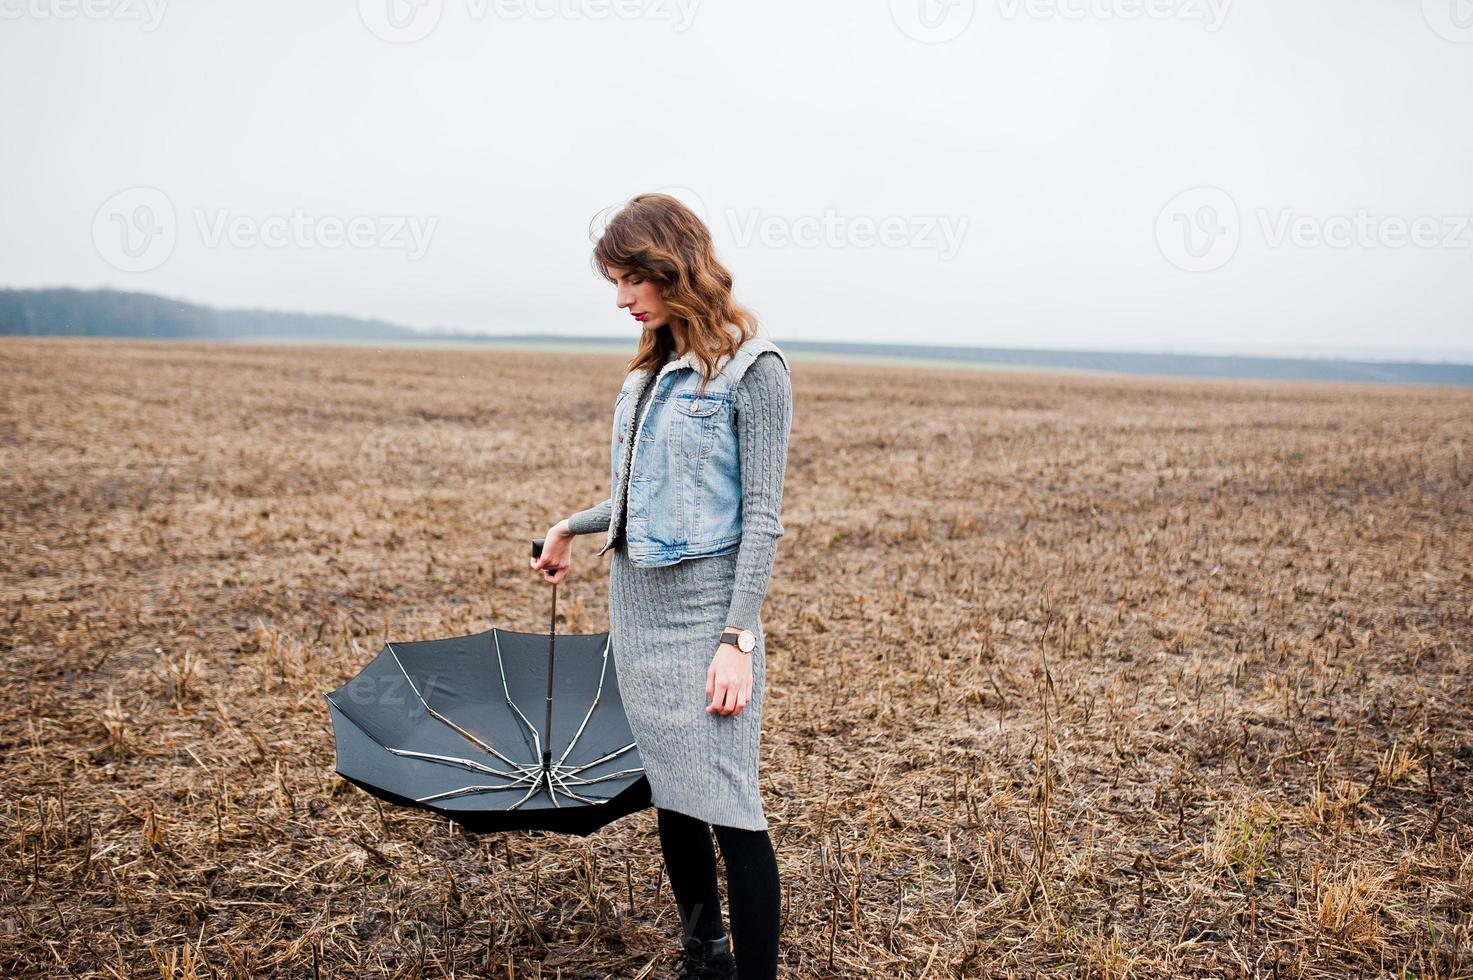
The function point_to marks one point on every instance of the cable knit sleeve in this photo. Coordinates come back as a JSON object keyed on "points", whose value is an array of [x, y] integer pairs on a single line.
{"points": [[592, 520], [763, 401]]}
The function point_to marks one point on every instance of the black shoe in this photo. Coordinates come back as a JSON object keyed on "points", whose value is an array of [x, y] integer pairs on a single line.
{"points": [[708, 959]]}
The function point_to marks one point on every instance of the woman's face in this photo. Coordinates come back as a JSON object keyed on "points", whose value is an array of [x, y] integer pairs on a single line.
{"points": [[640, 297]]}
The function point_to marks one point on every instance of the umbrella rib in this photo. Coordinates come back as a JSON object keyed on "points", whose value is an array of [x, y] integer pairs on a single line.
{"points": [[436, 715], [529, 794], [597, 692], [562, 787], [571, 794], [481, 789], [450, 760], [602, 759], [599, 779], [536, 739]]}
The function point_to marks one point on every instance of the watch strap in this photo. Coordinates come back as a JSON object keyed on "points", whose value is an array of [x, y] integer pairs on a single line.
{"points": [[732, 637]]}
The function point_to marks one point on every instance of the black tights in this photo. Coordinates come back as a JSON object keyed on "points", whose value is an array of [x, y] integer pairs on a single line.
{"points": [[751, 887]]}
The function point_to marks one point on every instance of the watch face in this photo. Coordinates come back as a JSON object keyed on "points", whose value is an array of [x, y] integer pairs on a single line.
{"points": [[746, 641]]}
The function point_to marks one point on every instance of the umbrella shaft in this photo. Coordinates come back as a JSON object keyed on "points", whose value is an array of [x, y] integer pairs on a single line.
{"points": [[551, 665]]}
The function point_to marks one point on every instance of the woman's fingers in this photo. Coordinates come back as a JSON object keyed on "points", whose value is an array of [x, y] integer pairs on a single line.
{"points": [[726, 697], [552, 576]]}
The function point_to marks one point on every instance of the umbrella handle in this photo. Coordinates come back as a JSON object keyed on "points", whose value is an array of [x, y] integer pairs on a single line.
{"points": [[537, 544]]}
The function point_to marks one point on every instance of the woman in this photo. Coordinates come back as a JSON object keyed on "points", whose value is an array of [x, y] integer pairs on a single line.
{"points": [[698, 453]]}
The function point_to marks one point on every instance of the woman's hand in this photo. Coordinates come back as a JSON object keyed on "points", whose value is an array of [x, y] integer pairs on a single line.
{"points": [[557, 553], [729, 681]]}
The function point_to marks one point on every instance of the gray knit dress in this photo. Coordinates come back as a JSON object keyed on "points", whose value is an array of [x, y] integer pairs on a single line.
{"points": [[665, 624]]}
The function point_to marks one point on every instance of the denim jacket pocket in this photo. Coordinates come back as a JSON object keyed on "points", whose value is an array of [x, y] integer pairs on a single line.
{"points": [[696, 420], [695, 430], [698, 406]]}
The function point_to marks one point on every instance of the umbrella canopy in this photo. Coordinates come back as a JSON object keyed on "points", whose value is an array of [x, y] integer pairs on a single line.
{"points": [[497, 731]]}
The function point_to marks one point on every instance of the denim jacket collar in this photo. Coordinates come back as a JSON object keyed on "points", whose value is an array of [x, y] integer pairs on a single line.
{"points": [[686, 360]]}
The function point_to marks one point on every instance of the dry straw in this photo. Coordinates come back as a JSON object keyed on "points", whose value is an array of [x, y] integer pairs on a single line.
{"points": [[1069, 676]]}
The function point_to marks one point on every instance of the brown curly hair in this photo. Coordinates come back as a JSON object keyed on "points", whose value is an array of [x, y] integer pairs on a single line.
{"points": [[661, 239]]}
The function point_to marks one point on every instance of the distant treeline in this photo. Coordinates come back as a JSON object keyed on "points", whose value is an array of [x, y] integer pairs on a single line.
{"points": [[112, 313]]}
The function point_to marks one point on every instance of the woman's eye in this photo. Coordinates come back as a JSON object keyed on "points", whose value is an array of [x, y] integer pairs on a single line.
{"points": [[635, 282]]}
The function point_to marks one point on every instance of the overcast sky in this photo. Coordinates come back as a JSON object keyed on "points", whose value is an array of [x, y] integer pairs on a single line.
{"points": [[1176, 175]]}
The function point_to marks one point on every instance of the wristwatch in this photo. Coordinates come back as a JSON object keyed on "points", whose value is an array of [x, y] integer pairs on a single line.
{"points": [[745, 641]]}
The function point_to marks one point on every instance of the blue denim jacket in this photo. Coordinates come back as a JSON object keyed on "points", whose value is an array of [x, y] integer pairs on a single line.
{"points": [[685, 490]]}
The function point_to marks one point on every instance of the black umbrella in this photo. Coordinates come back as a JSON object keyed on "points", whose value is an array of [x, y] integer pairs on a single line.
{"points": [[444, 725]]}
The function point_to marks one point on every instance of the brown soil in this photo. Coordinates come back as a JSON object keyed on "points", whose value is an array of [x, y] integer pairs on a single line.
{"points": [[1069, 675]]}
